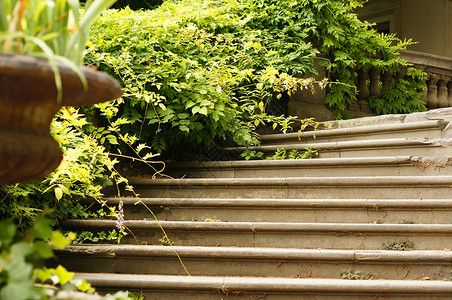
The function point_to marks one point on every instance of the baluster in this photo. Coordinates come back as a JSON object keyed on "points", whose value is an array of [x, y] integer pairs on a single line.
{"points": [[363, 90], [442, 93], [449, 92], [432, 92], [387, 75], [424, 96], [423, 91], [374, 88]]}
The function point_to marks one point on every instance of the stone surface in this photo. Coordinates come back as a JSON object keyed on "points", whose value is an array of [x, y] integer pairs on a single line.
{"points": [[288, 229]]}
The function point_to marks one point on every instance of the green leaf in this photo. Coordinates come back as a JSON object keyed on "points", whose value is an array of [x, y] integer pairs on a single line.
{"points": [[42, 229], [184, 128], [195, 109], [63, 274], [58, 240], [84, 286], [203, 111], [7, 232], [58, 193], [43, 250], [189, 104]]}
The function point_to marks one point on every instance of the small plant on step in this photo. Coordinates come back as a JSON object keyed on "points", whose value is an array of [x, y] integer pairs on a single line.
{"points": [[251, 154], [280, 153], [166, 241], [310, 153], [101, 236], [355, 275], [407, 222], [399, 245]]}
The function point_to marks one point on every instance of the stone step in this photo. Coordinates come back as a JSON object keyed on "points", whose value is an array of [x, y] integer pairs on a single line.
{"points": [[322, 167], [259, 262], [421, 146], [426, 211], [378, 187], [430, 128], [225, 287], [277, 234]]}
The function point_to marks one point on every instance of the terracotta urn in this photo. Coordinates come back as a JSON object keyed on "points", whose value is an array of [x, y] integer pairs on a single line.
{"points": [[28, 103]]}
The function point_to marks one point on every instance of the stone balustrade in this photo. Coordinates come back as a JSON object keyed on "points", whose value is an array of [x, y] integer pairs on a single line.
{"points": [[439, 83], [374, 83]]}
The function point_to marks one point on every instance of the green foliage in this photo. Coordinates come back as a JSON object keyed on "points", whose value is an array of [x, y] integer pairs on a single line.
{"points": [[166, 241], [307, 154], [355, 275], [281, 153], [196, 71], [22, 272], [399, 245], [138, 4], [84, 171], [101, 236], [252, 154], [403, 96], [53, 29]]}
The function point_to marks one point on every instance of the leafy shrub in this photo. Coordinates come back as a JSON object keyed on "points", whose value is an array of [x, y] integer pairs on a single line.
{"points": [[403, 96], [22, 258], [192, 71], [195, 71], [84, 171]]}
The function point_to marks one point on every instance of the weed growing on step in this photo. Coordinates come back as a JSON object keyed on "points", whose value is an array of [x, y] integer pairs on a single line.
{"points": [[101, 236], [407, 222], [166, 241], [281, 153], [399, 245], [355, 275], [251, 154]]}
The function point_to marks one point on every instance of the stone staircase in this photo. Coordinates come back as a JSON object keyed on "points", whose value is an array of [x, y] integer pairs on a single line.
{"points": [[292, 229]]}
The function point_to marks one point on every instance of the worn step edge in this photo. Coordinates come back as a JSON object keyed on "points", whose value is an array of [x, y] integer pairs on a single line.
{"points": [[76, 224], [369, 181], [335, 146], [419, 256], [433, 161], [285, 203], [362, 130], [312, 285]]}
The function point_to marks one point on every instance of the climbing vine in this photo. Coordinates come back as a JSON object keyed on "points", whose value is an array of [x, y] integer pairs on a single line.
{"points": [[197, 71]]}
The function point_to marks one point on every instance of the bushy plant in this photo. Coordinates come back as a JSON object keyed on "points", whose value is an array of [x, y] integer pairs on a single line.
{"points": [[195, 71], [403, 96], [23, 275], [53, 29], [85, 170]]}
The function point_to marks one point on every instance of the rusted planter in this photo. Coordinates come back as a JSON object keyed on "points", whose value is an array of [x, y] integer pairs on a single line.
{"points": [[28, 103]]}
